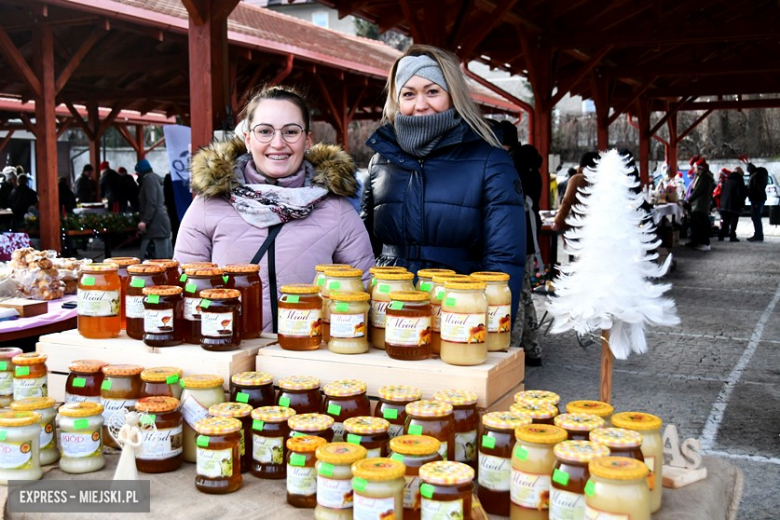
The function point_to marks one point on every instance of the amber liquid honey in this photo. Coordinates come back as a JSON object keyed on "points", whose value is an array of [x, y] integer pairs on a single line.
{"points": [[99, 305]]}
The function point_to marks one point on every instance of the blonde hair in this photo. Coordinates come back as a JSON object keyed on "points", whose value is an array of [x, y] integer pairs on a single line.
{"points": [[458, 91]]}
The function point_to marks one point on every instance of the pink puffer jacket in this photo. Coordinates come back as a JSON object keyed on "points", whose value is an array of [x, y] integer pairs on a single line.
{"points": [[333, 233]]}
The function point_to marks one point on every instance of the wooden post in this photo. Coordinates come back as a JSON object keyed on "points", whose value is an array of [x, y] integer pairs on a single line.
{"points": [[607, 361], [671, 157], [644, 140]]}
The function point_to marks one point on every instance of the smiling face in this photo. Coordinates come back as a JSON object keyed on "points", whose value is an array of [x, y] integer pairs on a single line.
{"points": [[422, 97], [277, 158]]}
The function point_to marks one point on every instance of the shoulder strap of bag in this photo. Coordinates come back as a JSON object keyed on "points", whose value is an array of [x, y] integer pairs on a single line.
{"points": [[268, 245]]}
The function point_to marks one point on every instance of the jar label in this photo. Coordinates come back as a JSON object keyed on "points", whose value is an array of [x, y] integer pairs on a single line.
{"points": [[16, 454], [595, 514], [267, 450], [193, 411], [216, 324], [335, 494], [436, 510], [463, 328], [214, 463], [410, 332], [338, 432], [134, 307], [161, 444], [31, 387], [112, 406], [499, 318], [395, 430], [565, 505], [72, 398], [494, 472], [301, 323], [191, 310], [374, 453], [98, 303], [466, 446], [650, 463], [412, 493], [47, 436], [530, 490], [158, 321], [367, 508], [6, 383], [436, 317], [81, 445], [301, 480], [348, 326], [378, 314], [443, 449]]}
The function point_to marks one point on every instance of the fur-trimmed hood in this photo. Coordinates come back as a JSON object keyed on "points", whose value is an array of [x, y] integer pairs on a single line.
{"points": [[213, 168]]}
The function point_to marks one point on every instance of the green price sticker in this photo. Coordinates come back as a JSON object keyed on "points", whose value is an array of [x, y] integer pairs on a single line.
{"points": [[202, 441], [426, 490], [205, 304], [258, 425], [292, 298], [334, 409], [326, 470], [488, 442], [384, 288], [449, 302], [415, 429], [107, 385], [284, 401], [81, 424], [3, 365], [561, 477], [296, 459], [225, 278], [88, 280], [172, 379], [398, 457], [521, 453], [153, 298], [359, 484], [373, 282], [426, 286], [79, 382], [342, 307], [590, 488], [181, 383], [390, 413], [137, 282], [440, 294], [183, 277], [148, 418], [297, 434], [3, 434], [396, 306], [22, 371], [242, 397], [191, 287], [354, 439], [334, 286], [320, 280]]}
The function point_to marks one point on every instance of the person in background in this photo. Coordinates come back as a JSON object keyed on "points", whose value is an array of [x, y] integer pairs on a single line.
{"points": [[66, 196], [698, 203], [170, 206], [757, 195], [732, 198], [85, 185], [22, 198], [573, 185], [8, 185], [128, 190], [111, 187], [671, 186], [154, 225]]}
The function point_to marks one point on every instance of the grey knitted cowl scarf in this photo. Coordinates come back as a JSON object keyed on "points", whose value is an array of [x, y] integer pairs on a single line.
{"points": [[419, 135]]}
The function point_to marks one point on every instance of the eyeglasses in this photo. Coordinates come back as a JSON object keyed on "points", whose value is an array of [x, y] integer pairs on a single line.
{"points": [[290, 133]]}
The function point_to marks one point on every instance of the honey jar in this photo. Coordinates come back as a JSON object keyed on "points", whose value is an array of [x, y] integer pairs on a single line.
{"points": [[7, 374], [621, 443], [81, 437], [199, 392], [84, 380], [45, 408], [533, 461], [270, 432], [171, 266], [194, 280], [334, 480], [578, 425], [141, 275], [617, 488], [301, 393], [312, 424], [378, 486], [220, 319], [385, 282], [218, 455], [382, 269], [392, 405], [567, 489], [425, 278], [319, 272], [369, 432], [300, 317], [164, 324], [99, 302], [495, 459], [499, 298], [446, 490], [30, 375], [466, 417], [437, 296], [120, 390], [123, 263], [19, 446], [538, 395], [541, 412], [301, 471], [246, 279], [432, 418], [253, 388], [603, 410], [161, 381], [242, 412], [413, 451], [408, 325], [161, 446], [464, 323], [649, 426], [344, 399], [348, 322], [337, 280]]}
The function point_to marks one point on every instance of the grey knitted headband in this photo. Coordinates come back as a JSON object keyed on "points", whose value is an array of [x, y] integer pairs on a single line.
{"points": [[423, 66]]}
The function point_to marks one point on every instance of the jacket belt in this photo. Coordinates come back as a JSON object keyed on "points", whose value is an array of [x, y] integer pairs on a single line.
{"points": [[444, 255]]}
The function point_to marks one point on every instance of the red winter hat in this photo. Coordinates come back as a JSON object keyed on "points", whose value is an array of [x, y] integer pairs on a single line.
{"points": [[701, 161], [725, 171], [694, 159], [104, 166]]}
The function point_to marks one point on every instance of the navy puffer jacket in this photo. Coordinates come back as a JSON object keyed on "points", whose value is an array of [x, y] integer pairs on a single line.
{"points": [[461, 207]]}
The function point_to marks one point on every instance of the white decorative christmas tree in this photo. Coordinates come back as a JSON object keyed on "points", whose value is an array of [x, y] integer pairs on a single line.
{"points": [[611, 285]]}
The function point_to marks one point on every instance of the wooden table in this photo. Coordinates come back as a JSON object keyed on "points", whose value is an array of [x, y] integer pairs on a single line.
{"points": [[56, 320]]}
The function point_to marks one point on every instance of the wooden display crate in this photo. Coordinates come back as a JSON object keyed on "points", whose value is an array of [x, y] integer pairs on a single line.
{"points": [[65, 347]]}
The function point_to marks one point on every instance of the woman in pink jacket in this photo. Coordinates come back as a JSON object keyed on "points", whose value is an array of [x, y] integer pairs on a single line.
{"points": [[268, 176]]}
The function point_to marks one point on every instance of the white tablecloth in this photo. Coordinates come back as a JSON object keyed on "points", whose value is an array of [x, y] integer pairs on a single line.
{"points": [[667, 210]]}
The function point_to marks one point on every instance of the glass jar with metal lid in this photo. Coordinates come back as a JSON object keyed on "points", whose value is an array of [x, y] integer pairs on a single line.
{"points": [[446, 489], [45, 407], [538, 395], [437, 296], [242, 412], [161, 381], [99, 301], [337, 280], [199, 392], [319, 272], [617, 488], [84, 380], [408, 326], [300, 317], [432, 418], [378, 486], [120, 390], [314, 424], [621, 442], [164, 324], [495, 459], [161, 446], [500, 311], [382, 269], [220, 319], [344, 399], [218, 468], [602, 409], [123, 263], [141, 275], [425, 278], [649, 426], [414, 451], [578, 425], [533, 461], [7, 374], [270, 431], [193, 265], [369, 432], [567, 489], [171, 266], [392, 405], [348, 322], [30, 375], [385, 283], [246, 279], [81, 437], [466, 417], [301, 471], [540, 411], [334, 480], [253, 388], [464, 323], [19, 446], [301, 393], [197, 279]]}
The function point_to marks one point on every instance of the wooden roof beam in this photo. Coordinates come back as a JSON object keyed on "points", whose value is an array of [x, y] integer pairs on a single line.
{"points": [[95, 36], [627, 104], [18, 63], [670, 113], [566, 86], [479, 33], [694, 69]]}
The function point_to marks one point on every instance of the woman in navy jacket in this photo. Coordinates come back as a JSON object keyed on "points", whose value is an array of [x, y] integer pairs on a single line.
{"points": [[441, 190]]}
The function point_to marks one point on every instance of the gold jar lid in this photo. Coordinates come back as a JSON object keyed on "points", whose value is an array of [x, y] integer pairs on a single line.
{"points": [[592, 407], [272, 414], [168, 375], [537, 410], [389, 276], [201, 381], [321, 268], [220, 294], [580, 451], [305, 443], [616, 438], [345, 388], [340, 453], [31, 404], [99, 268], [350, 296], [540, 434], [378, 469], [299, 383], [146, 269], [161, 290], [387, 269], [506, 420], [446, 473], [217, 426], [87, 366], [167, 263], [230, 410], [618, 468], [252, 378], [410, 296], [400, 393], [364, 425], [580, 422], [30, 358], [310, 422], [198, 265], [430, 273], [538, 395], [122, 370], [299, 288], [9, 352], [241, 268], [123, 261], [204, 271], [464, 285], [428, 408], [441, 278], [414, 445], [490, 276], [342, 272], [637, 421], [80, 409], [17, 419], [456, 397], [157, 404]]}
